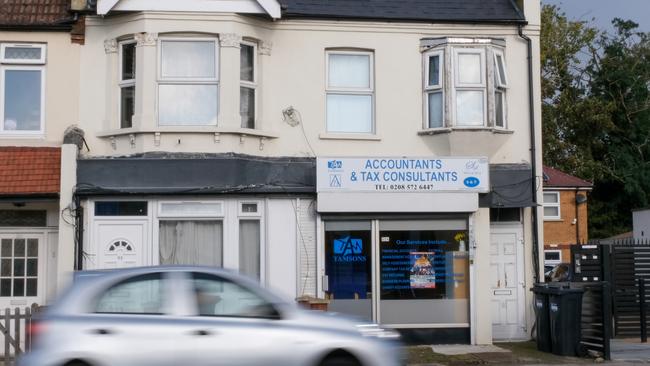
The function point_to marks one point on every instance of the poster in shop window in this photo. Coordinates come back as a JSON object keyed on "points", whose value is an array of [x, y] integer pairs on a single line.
{"points": [[423, 274]]}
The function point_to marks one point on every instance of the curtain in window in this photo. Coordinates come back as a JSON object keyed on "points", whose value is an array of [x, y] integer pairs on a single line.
{"points": [[249, 248], [191, 243]]}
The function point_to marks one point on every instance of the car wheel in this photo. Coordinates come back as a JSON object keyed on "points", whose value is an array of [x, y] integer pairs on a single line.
{"points": [[76, 363], [340, 360]]}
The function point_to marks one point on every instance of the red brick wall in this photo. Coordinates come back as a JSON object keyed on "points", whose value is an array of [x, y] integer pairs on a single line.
{"points": [[559, 233]]}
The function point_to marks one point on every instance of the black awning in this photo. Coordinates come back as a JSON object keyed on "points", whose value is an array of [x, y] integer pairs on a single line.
{"points": [[510, 186], [176, 173]]}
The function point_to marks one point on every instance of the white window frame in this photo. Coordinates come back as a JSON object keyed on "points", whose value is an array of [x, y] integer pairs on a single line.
{"points": [[189, 215], [500, 87], [256, 214], [458, 86], [29, 67], [41, 61], [370, 91], [552, 204], [429, 89], [124, 83], [187, 81], [552, 261], [253, 84]]}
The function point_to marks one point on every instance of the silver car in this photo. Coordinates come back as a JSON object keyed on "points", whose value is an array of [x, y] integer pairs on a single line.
{"points": [[195, 316]]}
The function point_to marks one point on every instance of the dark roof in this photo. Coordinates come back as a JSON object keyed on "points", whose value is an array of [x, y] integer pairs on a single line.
{"points": [[557, 178], [408, 10], [149, 173], [34, 13], [29, 170]]}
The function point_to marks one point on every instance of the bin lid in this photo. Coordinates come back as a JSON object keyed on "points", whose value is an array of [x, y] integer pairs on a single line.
{"points": [[554, 289]]}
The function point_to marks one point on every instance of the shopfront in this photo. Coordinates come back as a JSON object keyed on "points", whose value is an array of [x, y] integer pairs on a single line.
{"points": [[397, 239]]}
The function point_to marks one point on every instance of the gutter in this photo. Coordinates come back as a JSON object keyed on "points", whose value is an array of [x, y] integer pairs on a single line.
{"points": [[533, 150]]}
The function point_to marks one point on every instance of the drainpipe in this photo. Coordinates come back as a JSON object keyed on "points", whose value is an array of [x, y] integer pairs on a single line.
{"points": [[533, 150]]}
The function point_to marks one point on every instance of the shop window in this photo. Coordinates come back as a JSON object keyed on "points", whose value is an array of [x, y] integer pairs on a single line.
{"points": [[552, 205], [350, 90], [127, 83], [188, 82], [424, 272], [22, 88], [121, 208], [19, 267], [23, 218], [191, 242], [248, 84], [139, 295]]}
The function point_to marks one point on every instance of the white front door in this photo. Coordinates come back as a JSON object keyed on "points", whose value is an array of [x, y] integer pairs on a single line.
{"points": [[506, 262], [22, 269], [121, 243]]}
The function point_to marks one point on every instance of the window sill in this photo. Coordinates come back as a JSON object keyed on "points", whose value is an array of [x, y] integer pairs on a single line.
{"points": [[553, 219], [349, 136], [191, 129], [444, 130], [23, 136]]}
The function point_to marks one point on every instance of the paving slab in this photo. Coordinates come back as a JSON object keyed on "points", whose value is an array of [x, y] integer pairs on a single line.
{"points": [[630, 350], [464, 349]]}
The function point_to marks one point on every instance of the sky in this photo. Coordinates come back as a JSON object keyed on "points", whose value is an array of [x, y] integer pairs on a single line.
{"points": [[605, 10]]}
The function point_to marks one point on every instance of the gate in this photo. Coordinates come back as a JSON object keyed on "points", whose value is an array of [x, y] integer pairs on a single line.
{"points": [[14, 325], [626, 265]]}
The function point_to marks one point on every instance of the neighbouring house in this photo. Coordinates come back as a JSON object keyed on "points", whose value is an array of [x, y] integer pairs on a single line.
{"points": [[641, 224], [39, 98], [382, 155], [565, 214]]}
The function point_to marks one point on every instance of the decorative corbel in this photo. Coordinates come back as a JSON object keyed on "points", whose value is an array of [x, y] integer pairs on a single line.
{"points": [[110, 45], [264, 48], [146, 39], [230, 40]]}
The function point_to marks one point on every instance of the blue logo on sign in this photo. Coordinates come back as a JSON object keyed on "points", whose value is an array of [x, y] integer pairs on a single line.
{"points": [[471, 182], [334, 164], [348, 246]]}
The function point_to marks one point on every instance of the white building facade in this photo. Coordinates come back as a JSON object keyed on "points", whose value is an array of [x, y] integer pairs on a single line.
{"points": [[385, 161]]}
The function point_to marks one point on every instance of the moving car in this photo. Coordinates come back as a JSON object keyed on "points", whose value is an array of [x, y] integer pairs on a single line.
{"points": [[180, 315]]}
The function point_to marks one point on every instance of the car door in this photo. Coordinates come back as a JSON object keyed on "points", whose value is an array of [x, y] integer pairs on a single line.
{"points": [[131, 324], [232, 325]]}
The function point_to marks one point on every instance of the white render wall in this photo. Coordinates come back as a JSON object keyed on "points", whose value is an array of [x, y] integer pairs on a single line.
{"points": [[61, 86], [294, 75]]}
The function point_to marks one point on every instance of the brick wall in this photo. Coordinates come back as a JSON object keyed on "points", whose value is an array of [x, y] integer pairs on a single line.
{"points": [[559, 233]]}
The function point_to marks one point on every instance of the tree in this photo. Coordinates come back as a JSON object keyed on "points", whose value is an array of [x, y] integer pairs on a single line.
{"points": [[596, 113]]}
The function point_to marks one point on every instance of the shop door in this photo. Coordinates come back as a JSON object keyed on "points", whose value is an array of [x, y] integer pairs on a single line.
{"points": [[348, 267], [22, 270], [121, 243], [506, 262]]}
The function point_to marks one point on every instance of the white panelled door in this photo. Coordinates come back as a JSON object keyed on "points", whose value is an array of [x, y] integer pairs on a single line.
{"points": [[121, 243], [508, 283]]}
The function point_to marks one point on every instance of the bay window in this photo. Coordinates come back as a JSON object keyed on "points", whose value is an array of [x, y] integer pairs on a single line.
{"points": [[474, 96], [188, 82], [350, 92], [247, 90], [127, 83], [22, 88]]}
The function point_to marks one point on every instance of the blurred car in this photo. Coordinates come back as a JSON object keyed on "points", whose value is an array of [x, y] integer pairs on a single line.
{"points": [[559, 273], [195, 316]]}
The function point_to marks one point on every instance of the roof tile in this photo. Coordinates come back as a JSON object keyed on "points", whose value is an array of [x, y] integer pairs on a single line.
{"points": [[33, 12], [557, 178], [29, 170]]}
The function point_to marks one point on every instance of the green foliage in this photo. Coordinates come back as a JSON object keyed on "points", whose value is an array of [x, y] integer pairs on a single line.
{"points": [[596, 113]]}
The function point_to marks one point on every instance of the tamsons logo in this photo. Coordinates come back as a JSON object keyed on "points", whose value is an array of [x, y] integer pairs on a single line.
{"points": [[348, 249]]}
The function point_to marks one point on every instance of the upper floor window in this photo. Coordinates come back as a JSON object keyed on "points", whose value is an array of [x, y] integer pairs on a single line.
{"points": [[472, 97], [188, 82], [350, 92], [247, 90], [552, 205], [127, 83], [22, 88]]}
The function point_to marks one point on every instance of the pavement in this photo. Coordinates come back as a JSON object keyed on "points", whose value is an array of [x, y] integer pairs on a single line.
{"points": [[625, 352]]}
